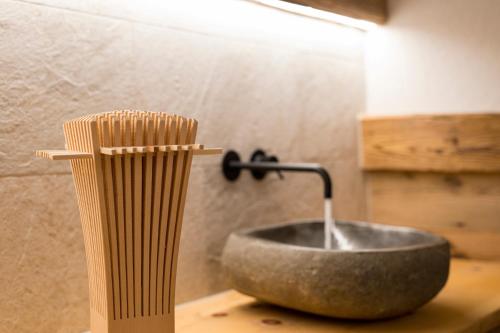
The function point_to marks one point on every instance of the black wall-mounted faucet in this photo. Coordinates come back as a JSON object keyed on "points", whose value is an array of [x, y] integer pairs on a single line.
{"points": [[260, 164]]}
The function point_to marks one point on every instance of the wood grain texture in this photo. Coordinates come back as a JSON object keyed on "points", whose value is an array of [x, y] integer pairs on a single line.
{"points": [[442, 174], [444, 143], [369, 10], [465, 208], [469, 303]]}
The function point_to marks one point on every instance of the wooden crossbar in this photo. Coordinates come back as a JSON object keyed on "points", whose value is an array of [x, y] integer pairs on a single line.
{"points": [[60, 155], [57, 155], [197, 149]]}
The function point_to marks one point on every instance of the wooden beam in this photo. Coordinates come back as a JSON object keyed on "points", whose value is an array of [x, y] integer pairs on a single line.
{"points": [[443, 143], [368, 10]]}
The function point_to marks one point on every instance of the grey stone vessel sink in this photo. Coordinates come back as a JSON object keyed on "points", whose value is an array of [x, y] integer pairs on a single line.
{"points": [[390, 271]]}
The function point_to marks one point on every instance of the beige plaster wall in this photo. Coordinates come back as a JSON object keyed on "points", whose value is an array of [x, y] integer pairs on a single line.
{"points": [[435, 56], [253, 76]]}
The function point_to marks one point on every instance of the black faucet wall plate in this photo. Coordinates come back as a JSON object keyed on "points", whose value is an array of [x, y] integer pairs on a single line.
{"points": [[231, 173]]}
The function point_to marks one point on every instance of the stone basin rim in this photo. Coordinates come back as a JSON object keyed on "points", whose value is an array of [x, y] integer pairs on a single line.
{"points": [[431, 241]]}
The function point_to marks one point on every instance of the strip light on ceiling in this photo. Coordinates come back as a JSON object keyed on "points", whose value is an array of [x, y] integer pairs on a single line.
{"points": [[319, 14]]}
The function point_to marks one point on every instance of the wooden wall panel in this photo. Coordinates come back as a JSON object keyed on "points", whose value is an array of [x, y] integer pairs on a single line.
{"points": [[439, 173], [447, 143], [465, 208], [369, 10]]}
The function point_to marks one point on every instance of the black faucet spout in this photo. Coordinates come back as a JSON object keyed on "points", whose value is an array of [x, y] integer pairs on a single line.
{"points": [[232, 167]]}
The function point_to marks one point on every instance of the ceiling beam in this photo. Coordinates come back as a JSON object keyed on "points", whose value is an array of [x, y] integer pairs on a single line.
{"points": [[368, 10]]}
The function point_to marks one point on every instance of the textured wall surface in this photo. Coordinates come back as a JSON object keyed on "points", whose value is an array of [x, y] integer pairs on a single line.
{"points": [[252, 76], [435, 56]]}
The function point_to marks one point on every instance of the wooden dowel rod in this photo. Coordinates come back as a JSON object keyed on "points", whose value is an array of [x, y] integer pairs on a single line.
{"points": [[208, 151], [57, 155]]}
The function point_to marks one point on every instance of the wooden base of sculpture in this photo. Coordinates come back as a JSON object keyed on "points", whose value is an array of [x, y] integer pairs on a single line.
{"points": [[152, 324]]}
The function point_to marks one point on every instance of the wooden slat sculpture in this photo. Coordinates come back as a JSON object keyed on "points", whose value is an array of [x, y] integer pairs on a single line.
{"points": [[131, 171]]}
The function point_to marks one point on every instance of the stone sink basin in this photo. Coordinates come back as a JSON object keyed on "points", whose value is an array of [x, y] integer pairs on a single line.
{"points": [[390, 271]]}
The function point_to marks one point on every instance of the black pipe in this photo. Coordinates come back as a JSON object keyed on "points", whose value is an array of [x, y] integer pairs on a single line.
{"points": [[232, 166]]}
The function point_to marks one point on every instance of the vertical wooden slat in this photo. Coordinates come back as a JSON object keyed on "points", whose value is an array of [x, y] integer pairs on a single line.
{"points": [[82, 138], [155, 232], [77, 169], [149, 135], [165, 212], [117, 159], [110, 200], [94, 219], [101, 218], [138, 141], [191, 136], [174, 200], [129, 236]]}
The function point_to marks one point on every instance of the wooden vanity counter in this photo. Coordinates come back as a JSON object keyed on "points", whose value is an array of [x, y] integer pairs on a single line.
{"points": [[470, 302]]}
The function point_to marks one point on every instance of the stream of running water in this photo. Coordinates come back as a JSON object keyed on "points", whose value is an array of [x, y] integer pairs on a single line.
{"points": [[332, 233]]}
